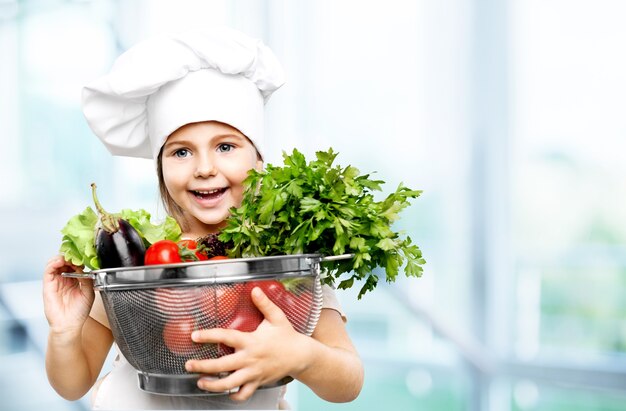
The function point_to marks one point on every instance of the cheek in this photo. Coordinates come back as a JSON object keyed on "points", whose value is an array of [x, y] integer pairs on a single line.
{"points": [[236, 175], [236, 182], [173, 177], [237, 194], [238, 170]]}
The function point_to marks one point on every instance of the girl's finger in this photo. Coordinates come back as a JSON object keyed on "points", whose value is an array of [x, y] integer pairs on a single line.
{"points": [[215, 365], [230, 383], [56, 262], [232, 338], [270, 311], [245, 392]]}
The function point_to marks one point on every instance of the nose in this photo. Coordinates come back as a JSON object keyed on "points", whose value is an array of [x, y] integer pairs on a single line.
{"points": [[205, 167]]}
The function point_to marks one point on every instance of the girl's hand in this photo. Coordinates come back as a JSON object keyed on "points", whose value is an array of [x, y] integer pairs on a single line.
{"points": [[67, 301], [271, 352]]}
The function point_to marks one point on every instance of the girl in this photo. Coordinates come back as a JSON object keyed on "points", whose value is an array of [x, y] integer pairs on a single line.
{"points": [[193, 102]]}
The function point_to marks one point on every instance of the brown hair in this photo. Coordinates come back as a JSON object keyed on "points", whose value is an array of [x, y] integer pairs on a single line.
{"points": [[170, 205]]}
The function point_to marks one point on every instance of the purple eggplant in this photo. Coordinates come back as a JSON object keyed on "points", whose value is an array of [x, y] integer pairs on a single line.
{"points": [[118, 244]]}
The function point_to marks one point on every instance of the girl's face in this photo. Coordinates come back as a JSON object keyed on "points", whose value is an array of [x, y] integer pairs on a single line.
{"points": [[204, 165]]}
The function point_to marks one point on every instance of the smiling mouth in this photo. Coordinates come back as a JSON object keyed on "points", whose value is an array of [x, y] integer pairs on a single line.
{"points": [[210, 194]]}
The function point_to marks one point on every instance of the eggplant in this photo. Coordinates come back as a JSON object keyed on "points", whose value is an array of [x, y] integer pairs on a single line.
{"points": [[117, 242]]}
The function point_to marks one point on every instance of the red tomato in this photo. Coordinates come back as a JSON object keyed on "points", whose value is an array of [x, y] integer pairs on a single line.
{"points": [[276, 292], [219, 302], [219, 257], [191, 244], [245, 316], [295, 307], [227, 300], [177, 335], [162, 252], [245, 319], [274, 289], [171, 300], [188, 251]]}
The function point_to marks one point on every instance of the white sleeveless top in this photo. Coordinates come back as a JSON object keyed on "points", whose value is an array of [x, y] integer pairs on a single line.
{"points": [[119, 389]]}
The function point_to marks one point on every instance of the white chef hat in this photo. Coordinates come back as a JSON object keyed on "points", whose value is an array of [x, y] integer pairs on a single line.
{"points": [[165, 82]]}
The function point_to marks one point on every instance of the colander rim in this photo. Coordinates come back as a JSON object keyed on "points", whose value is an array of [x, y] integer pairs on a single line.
{"points": [[314, 259]]}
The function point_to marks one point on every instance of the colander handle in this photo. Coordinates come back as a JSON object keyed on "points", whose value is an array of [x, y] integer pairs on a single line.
{"points": [[336, 257], [89, 276]]}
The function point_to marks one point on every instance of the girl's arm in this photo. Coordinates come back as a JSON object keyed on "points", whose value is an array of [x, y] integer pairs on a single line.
{"points": [[330, 365], [327, 363], [74, 359], [77, 344]]}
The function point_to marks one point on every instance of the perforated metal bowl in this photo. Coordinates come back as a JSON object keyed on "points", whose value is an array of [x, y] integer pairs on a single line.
{"points": [[152, 310]]}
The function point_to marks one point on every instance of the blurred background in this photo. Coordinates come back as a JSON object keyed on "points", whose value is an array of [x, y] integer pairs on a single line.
{"points": [[508, 114]]}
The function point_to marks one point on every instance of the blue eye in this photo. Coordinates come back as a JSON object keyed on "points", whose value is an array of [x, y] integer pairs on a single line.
{"points": [[183, 152], [224, 148]]}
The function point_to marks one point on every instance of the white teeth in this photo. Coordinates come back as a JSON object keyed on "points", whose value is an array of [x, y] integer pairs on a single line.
{"points": [[207, 192]]}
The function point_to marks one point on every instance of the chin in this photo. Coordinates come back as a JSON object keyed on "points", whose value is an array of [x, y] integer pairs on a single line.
{"points": [[215, 221]]}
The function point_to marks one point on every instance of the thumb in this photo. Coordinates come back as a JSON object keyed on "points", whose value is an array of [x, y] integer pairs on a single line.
{"points": [[270, 311]]}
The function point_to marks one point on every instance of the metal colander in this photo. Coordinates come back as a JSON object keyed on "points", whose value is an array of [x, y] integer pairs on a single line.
{"points": [[152, 310]]}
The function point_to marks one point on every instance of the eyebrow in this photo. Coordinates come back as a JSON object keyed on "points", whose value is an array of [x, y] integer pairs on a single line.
{"points": [[228, 135]]}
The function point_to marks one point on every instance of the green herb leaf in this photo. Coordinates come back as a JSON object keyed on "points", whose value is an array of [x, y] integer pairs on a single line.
{"points": [[319, 207]]}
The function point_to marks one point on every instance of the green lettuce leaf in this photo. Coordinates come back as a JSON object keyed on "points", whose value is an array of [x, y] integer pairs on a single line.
{"points": [[78, 242], [151, 233]]}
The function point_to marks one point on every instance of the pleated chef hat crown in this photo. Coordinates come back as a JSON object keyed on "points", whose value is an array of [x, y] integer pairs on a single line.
{"points": [[165, 82]]}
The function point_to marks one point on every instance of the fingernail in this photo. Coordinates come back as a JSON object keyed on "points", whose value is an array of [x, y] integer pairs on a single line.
{"points": [[195, 335]]}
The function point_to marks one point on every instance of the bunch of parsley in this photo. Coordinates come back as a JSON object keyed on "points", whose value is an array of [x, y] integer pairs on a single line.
{"points": [[318, 207]]}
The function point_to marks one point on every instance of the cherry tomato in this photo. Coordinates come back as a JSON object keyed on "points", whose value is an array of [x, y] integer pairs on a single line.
{"points": [[177, 335], [162, 252], [188, 251], [219, 257]]}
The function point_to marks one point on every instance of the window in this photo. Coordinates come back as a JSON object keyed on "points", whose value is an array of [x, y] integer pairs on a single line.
{"points": [[508, 115]]}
